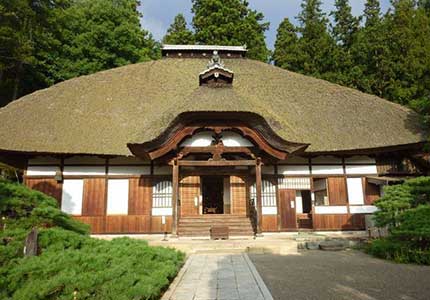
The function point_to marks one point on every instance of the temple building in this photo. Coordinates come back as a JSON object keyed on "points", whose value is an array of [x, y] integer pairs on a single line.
{"points": [[206, 137]]}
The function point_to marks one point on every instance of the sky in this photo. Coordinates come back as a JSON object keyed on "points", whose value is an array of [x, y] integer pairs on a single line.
{"points": [[159, 14]]}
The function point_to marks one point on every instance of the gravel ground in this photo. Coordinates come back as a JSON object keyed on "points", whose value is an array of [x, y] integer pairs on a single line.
{"points": [[341, 275]]}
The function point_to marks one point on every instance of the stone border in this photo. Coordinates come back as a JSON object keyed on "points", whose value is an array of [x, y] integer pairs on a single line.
{"points": [[172, 287], [261, 285]]}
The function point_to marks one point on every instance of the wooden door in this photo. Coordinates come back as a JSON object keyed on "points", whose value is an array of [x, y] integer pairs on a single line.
{"points": [[189, 194], [287, 208]]}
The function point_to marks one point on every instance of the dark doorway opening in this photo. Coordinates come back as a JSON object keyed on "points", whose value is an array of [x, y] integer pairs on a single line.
{"points": [[307, 201], [213, 194]]}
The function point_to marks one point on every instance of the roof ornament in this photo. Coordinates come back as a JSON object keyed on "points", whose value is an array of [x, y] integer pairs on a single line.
{"points": [[215, 61], [216, 74]]}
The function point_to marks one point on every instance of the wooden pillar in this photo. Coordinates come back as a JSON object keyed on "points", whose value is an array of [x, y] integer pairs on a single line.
{"points": [[175, 194], [258, 194]]}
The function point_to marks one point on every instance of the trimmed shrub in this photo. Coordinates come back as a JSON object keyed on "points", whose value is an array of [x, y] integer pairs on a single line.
{"points": [[72, 264], [405, 209], [25, 208], [92, 269]]}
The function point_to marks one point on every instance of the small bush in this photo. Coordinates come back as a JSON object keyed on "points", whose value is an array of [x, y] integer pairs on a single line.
{"points": [[398, 251]]}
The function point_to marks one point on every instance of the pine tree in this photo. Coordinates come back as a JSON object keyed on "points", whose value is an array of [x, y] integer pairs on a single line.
{"points": [[286, 51], [178, 33], [315, 43], [345, 24], [230, 22], [372, 12]]}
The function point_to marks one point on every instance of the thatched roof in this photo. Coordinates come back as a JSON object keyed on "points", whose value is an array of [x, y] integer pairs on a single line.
{"points": [[101, 113]]}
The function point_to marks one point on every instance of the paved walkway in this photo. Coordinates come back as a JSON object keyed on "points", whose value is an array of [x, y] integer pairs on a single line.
{"points": [[341, 275], [218, 277]]}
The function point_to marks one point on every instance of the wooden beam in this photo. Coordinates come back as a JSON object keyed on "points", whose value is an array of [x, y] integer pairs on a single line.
{"points": [[215, 163], [258, 194], [175, 194]]}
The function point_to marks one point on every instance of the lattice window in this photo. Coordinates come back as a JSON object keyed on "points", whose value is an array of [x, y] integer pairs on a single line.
{"points": [[295, 183], [162, 194], [268, 193]]}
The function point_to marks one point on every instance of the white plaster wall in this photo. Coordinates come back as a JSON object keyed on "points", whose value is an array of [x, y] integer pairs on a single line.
{"points": [[71, 199], [117, 197], [363, 209], [42, 170], [299, 202], [84, 170], [293, 170], [327, 170], [162, 211], [272, 210], [129, 170], [355, 191], [233, 139], [330, 210], [356, 170]]}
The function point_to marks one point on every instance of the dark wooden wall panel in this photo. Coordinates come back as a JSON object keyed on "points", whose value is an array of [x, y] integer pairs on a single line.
{"points": [[189, 189], [97, 224], [128, 224], [158, 227], [337, 194], [238, 195], [338, 222], [287, 213], [371, 192], [94, 200], [269, 223], [140, 196], [47, 186]]}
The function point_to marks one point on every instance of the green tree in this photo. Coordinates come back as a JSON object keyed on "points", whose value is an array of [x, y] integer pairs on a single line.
{"points": [[100, 35], [178, 33], [372, 12], [46, 41], [286, 53], [25, 30], [230, 22], [316, 45], [345, 24]]}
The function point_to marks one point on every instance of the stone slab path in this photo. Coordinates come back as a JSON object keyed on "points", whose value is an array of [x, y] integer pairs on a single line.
{"points": [[218, 277]]}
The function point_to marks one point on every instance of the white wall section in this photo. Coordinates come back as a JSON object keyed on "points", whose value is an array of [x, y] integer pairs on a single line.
{"points": [[71, 199], [42, 170], [162, 211], [365, 169], [331, 210], [129, 170], [363, 209], [293, 170], [269, 210], [84, 170], [299, 202], [327, 170], [117, 197], [355, 191]]}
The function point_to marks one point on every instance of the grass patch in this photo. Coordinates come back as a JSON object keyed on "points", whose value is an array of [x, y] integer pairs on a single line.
{"points": [[71, 263]]}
